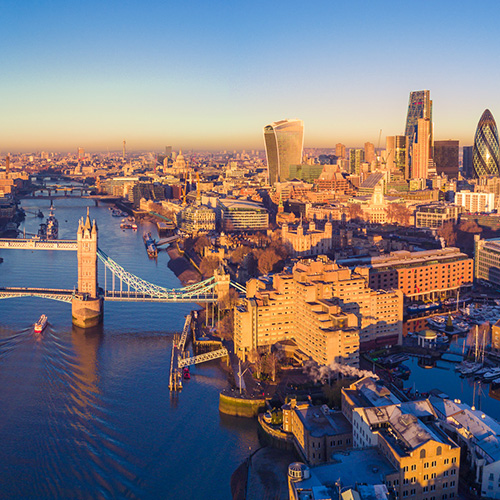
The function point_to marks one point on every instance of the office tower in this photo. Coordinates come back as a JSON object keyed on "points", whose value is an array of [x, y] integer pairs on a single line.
{"points": [[485, 155], [284, 141], [369, 152], [395, 153], [340, 150], [7, 164], [421, 149], [467, 161], [124, 151], [168, 151], [81, 153], [356, 158], [446, 158], [419, 107]]}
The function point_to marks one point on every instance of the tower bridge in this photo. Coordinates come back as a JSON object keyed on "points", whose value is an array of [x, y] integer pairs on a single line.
{"points": [[88, 297]]}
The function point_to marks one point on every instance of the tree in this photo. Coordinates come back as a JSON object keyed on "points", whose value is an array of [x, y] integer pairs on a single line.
{"points": [[200, 244], [230, 299], [267, 259], [208, 265], [448, 232], [272, 365], [470, 226], [391, 212], [258, 362], [225, 327], [355, 211], [403, 214], [238, 255]]}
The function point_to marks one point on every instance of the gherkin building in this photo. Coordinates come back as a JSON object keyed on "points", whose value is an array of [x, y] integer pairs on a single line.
{"points": [[485, 156]]}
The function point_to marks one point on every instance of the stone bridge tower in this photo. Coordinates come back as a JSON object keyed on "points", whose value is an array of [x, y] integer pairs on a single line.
{"points": [[87, 305]]}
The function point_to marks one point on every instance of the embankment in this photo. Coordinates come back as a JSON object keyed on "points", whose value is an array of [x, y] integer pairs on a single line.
{"points": [[240, 406]]}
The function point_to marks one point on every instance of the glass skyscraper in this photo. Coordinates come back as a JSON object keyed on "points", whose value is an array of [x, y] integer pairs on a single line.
{"points": [[284, 141], [419, 108], [485, 155]]}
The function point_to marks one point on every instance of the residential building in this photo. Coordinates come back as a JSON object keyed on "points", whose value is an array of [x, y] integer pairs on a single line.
{"points": [[487, 259], [284, 142], [485, 155], [475, 202], [318, 431], [329, 311], [434, 215], [446, 158], [407, 434], [424, 275], [197, 219], [479, 435]]}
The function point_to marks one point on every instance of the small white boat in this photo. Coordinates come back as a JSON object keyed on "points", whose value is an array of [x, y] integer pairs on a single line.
{"points": [[41, 324]]}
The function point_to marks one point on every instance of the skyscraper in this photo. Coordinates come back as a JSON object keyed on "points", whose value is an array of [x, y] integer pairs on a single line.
{"points": [[467, 161], [419, 108], [395, 154], [446, 158], [284, 141], [485, 155], [356, 158], [340, 150], [421, 149], [369, 152]]}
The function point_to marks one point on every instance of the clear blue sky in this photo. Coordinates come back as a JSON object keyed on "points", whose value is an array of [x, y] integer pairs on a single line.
{"points": [[211, 74]]}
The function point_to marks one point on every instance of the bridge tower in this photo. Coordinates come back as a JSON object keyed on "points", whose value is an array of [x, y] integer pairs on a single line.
{"points": [[87, 306], [222, 286]]}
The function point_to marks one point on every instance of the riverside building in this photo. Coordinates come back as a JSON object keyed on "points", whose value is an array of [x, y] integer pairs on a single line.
{"points": [[487, 259], [328, 311], [425, 275], [240, 215]]}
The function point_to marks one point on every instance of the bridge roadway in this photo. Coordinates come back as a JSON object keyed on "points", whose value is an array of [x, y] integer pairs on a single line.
{"points": [[66, 295], [38, 244]]}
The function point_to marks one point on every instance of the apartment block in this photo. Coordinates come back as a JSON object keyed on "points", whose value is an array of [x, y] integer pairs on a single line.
{"points": [[329, 311], [425, 275]]}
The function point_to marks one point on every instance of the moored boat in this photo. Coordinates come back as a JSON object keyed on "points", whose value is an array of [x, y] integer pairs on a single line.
{"points": [[41, 324]]}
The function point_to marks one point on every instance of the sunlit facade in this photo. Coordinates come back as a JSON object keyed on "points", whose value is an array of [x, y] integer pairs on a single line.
{"points": [[418, 130], [485, 155], [284, 141]]}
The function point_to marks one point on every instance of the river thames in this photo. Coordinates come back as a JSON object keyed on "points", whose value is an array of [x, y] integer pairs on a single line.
{"points": [[90, 415]]}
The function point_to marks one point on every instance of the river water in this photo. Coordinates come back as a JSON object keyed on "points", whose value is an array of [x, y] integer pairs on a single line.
{"points": [[89, 415]]}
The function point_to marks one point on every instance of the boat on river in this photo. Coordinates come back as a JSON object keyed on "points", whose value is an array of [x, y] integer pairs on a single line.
{"points": [[52, 225], [150, 245], [41, 324]]}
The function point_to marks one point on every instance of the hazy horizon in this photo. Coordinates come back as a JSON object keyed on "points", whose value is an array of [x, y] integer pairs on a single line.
{"points": [[211, 76]]}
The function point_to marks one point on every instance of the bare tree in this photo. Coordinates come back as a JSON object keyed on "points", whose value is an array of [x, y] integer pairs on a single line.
{"points": [[200, 244], [448, 232], [355, 211], [272, 365], [208, 265], [258, 362], [268, 258]]}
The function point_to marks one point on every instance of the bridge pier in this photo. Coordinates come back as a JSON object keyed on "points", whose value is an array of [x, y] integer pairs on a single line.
{"points": [[86, 311]]}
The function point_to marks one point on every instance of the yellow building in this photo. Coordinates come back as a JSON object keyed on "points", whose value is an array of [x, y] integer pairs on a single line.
{"points": [[326, 309]]}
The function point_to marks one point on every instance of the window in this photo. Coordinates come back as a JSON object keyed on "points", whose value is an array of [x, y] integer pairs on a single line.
{"points": [[426, 465], [454, 460], [439, 450], [433, 464], [426, 477], [433, 475], [425, 489], [446, 461], [405, 468], [412, 492], [433, 487], [422, 453], [445, 473], [405, 493], [453, 472], [445, 485], [413, 467]]}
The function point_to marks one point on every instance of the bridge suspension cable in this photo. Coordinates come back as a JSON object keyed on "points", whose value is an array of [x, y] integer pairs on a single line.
{"points": [[140, 286]]}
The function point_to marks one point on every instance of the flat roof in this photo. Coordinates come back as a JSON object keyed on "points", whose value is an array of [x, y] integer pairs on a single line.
{"points": [[321, 421]]}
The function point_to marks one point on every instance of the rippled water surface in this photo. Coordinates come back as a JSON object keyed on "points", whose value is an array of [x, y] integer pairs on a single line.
{"points": [[89, 415]]}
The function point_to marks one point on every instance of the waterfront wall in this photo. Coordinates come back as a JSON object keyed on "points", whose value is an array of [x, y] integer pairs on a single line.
{"points": [[240, 406], [86, 313], [275, 437]]}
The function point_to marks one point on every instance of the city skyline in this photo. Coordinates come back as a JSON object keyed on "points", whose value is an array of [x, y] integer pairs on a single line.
{"points": [[210, 77]]}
